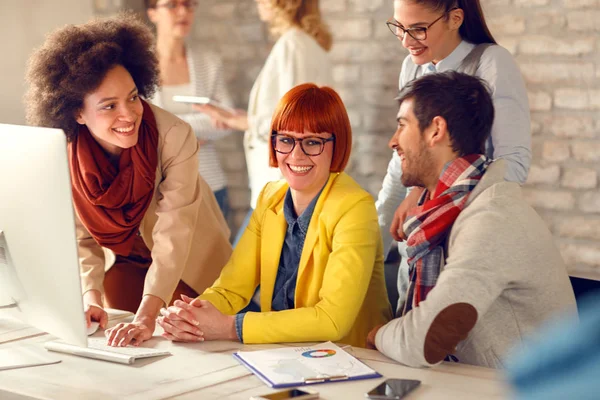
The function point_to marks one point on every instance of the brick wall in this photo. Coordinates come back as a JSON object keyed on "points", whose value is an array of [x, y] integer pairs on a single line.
{"points": [[555, 42]]}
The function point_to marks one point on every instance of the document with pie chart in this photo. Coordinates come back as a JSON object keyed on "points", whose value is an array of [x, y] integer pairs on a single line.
{"points": [[295, 366]]}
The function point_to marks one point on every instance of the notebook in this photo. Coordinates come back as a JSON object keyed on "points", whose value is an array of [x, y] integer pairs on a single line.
{"points": [[296, 366], [99, 350]]}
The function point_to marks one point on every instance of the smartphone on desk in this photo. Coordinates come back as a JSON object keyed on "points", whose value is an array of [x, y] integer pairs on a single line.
{"points": [[296, 394], [393, 389], [203, 101]]}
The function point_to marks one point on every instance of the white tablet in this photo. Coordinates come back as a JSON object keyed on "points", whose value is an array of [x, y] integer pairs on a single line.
{"points": [[202, 100]]}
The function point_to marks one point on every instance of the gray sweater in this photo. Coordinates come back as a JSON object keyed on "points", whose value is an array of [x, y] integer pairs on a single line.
{"points": [[503, 276]]}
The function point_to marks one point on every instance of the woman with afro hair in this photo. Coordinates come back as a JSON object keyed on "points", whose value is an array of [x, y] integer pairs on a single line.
{"points": [[148, 227]]}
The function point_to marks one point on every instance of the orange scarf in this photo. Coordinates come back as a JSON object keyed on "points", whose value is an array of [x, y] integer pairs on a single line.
{"points": [[111, 201]]}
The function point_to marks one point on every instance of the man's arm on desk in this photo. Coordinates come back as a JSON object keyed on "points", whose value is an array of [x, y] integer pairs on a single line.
{"points": [[469, 284]]}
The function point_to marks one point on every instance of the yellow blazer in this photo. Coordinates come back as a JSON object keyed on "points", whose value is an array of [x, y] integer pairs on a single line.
{"points": [[340, 288], [183, 225]]}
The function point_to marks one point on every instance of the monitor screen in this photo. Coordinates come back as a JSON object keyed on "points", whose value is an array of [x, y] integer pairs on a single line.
{"points": [[39, 268]]}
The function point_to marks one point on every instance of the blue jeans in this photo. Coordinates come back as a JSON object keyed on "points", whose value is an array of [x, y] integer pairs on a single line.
{"points": [[223, 200]]}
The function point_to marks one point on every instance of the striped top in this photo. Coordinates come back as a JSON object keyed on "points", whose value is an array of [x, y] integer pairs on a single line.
{"points": [[206, 79]]}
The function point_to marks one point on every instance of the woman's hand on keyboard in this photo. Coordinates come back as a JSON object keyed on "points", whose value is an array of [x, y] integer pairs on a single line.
{"points": [[142, 327], [133, 333], [194, 320]]}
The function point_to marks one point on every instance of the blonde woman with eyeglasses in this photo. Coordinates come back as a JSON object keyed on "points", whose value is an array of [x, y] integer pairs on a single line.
{"points": [[298, 56], [190, 69]]}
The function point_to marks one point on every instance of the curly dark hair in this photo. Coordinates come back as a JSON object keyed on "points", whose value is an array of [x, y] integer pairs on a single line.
{"points": [[74, 60]]}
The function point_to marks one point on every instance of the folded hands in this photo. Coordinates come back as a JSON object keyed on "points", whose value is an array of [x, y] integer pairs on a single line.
{"points": [[195, 320]]}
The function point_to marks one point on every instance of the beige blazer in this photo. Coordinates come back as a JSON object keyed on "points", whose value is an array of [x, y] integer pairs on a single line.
{"points": [[183, 226]]}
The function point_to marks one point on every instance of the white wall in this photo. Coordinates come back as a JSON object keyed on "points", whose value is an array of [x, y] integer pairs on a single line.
{"points": [[23, 26]]}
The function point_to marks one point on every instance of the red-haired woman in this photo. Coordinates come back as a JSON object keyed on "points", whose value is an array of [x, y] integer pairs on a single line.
{"points": [[313, 243]]}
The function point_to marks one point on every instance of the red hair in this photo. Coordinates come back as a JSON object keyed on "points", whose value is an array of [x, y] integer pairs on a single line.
{"points": [[311, 108]]}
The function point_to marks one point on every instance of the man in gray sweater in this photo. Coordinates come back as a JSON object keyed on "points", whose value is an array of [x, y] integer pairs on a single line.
{"points": [[484, 270]]}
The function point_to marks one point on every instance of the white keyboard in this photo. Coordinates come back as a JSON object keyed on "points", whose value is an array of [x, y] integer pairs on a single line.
{"points": [[98, 349]]}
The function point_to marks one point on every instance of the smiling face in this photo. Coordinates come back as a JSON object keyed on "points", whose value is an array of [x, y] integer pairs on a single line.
{"points": [[442, 36], [173, 22], [265, 10], [306, 174], [113, 111], [408, 141]]}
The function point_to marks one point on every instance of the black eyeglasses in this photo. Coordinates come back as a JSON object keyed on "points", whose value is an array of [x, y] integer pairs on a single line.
{"points": [[173, 5], [311, 146], [418, 33]]}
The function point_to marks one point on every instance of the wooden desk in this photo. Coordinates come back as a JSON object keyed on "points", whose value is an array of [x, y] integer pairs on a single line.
{"points": [[208, 371], [447, 381]]}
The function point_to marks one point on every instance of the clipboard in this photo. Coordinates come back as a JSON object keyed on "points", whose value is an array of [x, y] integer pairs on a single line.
{"points": [[308, 365]]}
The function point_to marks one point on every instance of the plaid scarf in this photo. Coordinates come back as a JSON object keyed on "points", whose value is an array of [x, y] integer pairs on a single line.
{"points": [[428, 224]]}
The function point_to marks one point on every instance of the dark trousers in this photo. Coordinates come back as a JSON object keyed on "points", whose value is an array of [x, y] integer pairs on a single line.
{"points": [[124, 281]]}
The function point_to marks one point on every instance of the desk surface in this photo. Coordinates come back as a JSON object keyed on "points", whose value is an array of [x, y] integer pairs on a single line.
{"points": [[208, 371]]}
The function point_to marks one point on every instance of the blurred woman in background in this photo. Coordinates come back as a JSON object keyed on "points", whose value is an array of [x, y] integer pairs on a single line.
{"points": [[190, 70]]}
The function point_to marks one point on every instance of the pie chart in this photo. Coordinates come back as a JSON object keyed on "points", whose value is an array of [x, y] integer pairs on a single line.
{"points": [[319, 353]]}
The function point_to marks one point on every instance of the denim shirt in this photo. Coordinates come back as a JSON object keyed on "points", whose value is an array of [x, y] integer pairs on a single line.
{"points": [[289, 261]]}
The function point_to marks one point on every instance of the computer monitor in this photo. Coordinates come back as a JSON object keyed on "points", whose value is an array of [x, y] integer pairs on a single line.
{"points": [[39, 268]]}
